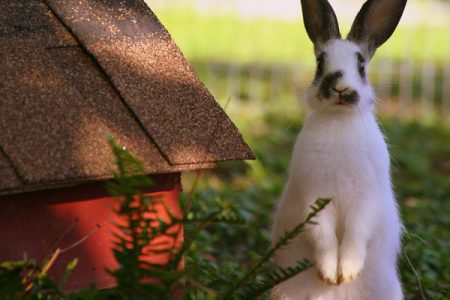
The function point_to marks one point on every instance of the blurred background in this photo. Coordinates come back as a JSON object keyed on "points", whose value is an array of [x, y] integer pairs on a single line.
{"points": [[258, 51], [256, 59]]}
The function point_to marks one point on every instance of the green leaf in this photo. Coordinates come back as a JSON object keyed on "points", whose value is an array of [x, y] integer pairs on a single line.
{"points": [[69, 268]]}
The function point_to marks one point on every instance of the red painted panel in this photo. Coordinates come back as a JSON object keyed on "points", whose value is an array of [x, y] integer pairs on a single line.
{"points": [[36, 224]]}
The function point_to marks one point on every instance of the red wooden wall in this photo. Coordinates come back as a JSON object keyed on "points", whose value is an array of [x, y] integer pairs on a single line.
{"points": [[79, 220]]}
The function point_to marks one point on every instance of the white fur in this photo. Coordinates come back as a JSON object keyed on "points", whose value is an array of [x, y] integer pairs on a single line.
{"points": [[341, 154]]}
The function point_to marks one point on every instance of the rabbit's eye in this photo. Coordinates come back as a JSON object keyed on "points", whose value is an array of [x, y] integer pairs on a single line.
{"points": [[361, 65], [320, 65]]}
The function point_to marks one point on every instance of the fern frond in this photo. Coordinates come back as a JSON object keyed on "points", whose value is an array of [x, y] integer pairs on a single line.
{"points": [[215, 217], [318, 206], [174, 263], [271, 279]]}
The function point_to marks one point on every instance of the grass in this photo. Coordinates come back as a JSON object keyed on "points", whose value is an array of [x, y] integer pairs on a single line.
{"points": [[230, 38]]}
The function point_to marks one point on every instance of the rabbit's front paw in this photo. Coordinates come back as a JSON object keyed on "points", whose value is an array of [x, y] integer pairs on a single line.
{"points": [[327, 269], [350, 266]]}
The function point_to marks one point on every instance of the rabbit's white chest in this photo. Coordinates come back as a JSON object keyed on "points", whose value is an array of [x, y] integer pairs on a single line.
{"points": [[340, 159]]}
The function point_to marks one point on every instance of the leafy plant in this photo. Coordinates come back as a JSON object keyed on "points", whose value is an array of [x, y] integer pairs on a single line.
{"points": [[26, 279], [139, 279]]}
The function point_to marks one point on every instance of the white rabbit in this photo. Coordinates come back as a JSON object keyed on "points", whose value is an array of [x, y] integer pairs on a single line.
{"points": [[341, 154]]}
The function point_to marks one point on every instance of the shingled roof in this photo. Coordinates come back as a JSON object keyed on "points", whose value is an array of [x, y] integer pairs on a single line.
{"points": [[74, 72]]}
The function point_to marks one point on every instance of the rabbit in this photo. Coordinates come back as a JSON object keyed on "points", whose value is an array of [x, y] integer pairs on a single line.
{"points": [[341, 154]]}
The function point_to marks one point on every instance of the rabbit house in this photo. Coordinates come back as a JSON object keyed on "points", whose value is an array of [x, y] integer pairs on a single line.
{"points": [[72, 74]]}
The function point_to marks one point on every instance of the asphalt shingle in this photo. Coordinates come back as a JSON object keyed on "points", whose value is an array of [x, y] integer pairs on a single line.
{"points": [[72, 73]]}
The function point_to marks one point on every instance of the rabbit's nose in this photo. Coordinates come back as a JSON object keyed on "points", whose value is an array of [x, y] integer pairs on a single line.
{"points": [[339, 90]]}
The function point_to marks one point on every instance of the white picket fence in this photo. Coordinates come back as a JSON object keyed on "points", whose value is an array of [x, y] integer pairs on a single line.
{"points": [[405, 89]]}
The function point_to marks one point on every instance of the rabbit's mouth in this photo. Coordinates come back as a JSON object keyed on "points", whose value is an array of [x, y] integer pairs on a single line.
{"points": [[340, 102], [351, 98]]}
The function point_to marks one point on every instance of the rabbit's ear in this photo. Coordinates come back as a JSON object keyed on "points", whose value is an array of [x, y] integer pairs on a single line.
{"points": [[375, 23], [320, 22]]}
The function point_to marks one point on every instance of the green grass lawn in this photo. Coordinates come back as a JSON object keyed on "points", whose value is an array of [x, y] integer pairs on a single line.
{"points": [[229, 38]]}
